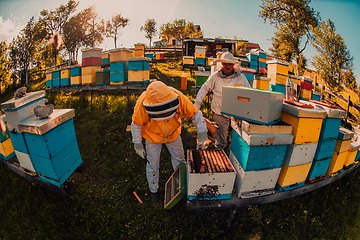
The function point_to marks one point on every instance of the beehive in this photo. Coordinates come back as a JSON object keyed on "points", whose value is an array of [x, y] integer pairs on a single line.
{"points": [[292, 177], [261, 83], [138, 70], [249, 74], [351, 155], [201, 77], [49, 78], [105, 57], [119, 55], [203, 184], [65, 77], [91, 56], [258, 152], [6, 147], [75, 75], [277, 78], [139, 50], [316, 96], [88, 75], [56, 78], [149, 55], [254, 105], [306, 122], [102, 76], [138, 76], [159, 56], [305, 94], [295, 80], [52, 145], [298, 154], [277, 66], [188, 60]]}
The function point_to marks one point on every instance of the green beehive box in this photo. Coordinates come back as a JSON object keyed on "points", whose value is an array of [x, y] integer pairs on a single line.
{"points": [[102, 77], [175, 187], [201, 77]]}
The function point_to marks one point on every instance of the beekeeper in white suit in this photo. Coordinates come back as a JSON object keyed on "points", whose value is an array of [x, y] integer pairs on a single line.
{"points": [[228, 74], [156, 118]]}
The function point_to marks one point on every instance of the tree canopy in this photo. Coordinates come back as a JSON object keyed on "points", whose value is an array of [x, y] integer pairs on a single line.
{"points": [[332, 58], [293, 20], [149, 28], [179, 29], [114, 25]]}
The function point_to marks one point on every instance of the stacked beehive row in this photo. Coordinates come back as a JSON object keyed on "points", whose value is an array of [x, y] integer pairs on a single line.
{"points": [[200, 55], [277, 71], [262, 62], [75, 75], [6, 147], [91, 61], [306, 88], [307, 124], [253, 59], [43, 147], [139, 50], [138, 70]]}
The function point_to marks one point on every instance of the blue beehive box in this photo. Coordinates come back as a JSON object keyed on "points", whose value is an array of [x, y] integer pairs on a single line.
{"points": [[262, 64], [52, 145], [117, 67], [117, 77], [75, 71], [278, 88], [252, 57], [319, 168], [138, 65], [200, 61], [64, 82]]}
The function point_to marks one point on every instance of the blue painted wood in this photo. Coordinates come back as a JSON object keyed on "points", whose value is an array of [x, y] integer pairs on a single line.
{"points": [[56, 82], [105, 60], [138, 65], [262, 64], [289, 187], [49, 83], [319, 168], [278, 88], [200, 61], [325, 149], [262, 55], [330, 128], [252, 57], [75, 71], [315, 97], [209, 197], [116, 77], [117, 67], [357, 158], [52, 142], [18, 142], [8, 157], [64, 82], [149, 55], [249, 76], [56, 166], [254, 67], [256, 158], [56, 74]]}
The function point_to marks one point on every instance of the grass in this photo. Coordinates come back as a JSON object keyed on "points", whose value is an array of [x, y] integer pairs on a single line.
{"points": [[102, 205]]}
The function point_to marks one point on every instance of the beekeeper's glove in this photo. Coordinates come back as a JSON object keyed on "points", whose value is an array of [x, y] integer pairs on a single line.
{"points": [[202, 138], [139, 148]]}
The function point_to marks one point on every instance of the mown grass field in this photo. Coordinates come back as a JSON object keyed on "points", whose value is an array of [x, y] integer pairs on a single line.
{"points": [[101, 204]]}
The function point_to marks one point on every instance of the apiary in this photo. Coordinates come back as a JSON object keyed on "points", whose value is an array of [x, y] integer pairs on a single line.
{"points": [[65, 77], [306, 121], [52, 145], [188, 60], [201, 77], [254, 105], [200, 55], [316, 96], [150, 55], [249, 74], [351, 155], [305, 94], [257, 153], [139, 50], [159, 56], [119, 55], [102, 76], [75, 75], [261, 83], [277, 78], [341, 151], [210, 175], [6, 147], [292, 177], [118, 72], [295, 80], [138, 70], [105, 57], [91, 56]]}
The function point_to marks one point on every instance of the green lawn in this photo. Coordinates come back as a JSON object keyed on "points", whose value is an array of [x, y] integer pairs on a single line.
{"points": [[102, 205]]}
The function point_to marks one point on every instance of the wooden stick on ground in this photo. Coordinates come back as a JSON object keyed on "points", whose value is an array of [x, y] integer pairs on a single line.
{"points": [[137, 197]]}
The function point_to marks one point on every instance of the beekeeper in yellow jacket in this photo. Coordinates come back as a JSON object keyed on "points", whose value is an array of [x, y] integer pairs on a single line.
{"points": [[156, 118]]}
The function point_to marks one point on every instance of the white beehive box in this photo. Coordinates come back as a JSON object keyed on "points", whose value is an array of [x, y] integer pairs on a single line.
{"points": [[253, 105], [209, 186], [25, 161], [300, 154], [16, 110], [253, 183]]}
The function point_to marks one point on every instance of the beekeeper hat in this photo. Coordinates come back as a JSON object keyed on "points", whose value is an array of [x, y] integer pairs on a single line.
{"points": [[161, 102], [227, 57]]}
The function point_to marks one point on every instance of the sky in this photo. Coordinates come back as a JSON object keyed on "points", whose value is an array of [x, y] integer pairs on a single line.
{"points": [[226, 18]]}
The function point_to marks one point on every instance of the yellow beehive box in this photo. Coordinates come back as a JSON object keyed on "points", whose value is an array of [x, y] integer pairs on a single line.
{"points": [[277, 66], [262, 60], [199, 55], [337, 163], [277, 78], [65, 73], [305, 130], [350, 158], [305, 94], [104, 55], [261, 83], [75, 80], [139, 53], [188, 60], [88, 79], [218, 47], [138, 76], [342, 145], [139, 47], [295, 79], [293, 175], [49, 76], [209, 60], [120, 55], [89, 70], [6, 147]]}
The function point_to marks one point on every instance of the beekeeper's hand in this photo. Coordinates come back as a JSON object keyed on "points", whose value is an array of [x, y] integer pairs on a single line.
{"points": [[2, 126], [202, 140], [139, 148]]}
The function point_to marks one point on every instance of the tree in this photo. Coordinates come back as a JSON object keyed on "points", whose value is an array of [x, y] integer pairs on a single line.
{"points": [[82, 30], [179, 29], [332, 57], [113, 27], [149, 28], [350, 80], [4, 65], [25, 46], [293, 19]]}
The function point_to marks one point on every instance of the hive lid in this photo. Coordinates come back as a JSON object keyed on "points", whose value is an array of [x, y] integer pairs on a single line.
{"points": [[201, 73], [263, 78], [28, 98], [345, 134], [330, 112], [38, 126], [138, 59], [304, 112], [247, 69]]}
